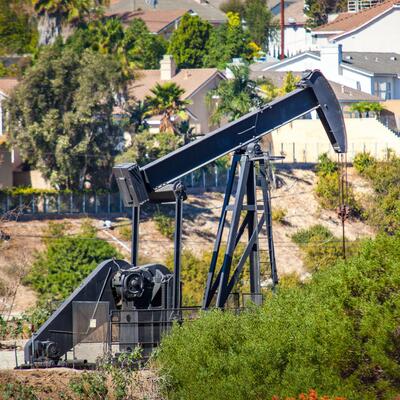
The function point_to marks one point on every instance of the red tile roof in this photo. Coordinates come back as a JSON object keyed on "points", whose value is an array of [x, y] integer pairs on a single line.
{"points": [[155, 21], [7, 85], [346, 22]]}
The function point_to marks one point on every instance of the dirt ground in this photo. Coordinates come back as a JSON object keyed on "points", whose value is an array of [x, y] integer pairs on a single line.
{"points": [[201, 214], [53, 384]]}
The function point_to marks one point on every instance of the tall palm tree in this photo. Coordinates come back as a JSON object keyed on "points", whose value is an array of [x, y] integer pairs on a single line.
{"points": [[234, 97], [53, 14], [137, 114], [167, 101]]}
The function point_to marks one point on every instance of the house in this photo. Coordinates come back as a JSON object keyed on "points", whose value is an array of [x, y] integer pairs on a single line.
{"points": [[376, 73], [346, 96], [372, 30], [6, 156], [196, 83], [202, 8], [297, 38], [162, 22]]}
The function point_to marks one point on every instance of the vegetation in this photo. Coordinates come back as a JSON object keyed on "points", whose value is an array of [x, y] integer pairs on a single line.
{"points": [[65, 127], [279, 214], [188, 43], [384, 208], [367, 107], [194, 274], [165, 224], [66, 261], [327, 189], [320, 248], [337, 334], [317, 11], [18, 33], [166, 100], [234, 97]]}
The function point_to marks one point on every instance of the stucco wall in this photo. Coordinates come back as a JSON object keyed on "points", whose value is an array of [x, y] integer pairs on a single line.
{"points": [[382, 35], [6, 168]]}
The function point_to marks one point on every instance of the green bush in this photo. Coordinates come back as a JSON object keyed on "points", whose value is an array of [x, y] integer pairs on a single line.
{"points": [[17, 391], [363, 161], [66, 261], [279, 214], [339, 334], [164, 224], [325, 165]]}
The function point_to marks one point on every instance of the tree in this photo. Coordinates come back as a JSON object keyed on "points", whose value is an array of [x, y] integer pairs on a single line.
{"points": [[54, 14], [229, 41], [317, 11], [235, 6], [134, 47], [64, 127], [235, 97], [188, 43], [67, 260], [260, 22], [167, 102], [18, 33], [137, 113], [366, 107]]}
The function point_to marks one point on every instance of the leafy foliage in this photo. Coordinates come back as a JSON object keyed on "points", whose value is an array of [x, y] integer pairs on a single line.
{"points": [[317, 11], [337, 334], [279, 214], [18, 33], [165, 224], [147, 147], [384, 176], [367, 107], [327, 189], [65, 126], [229, 41], [235, 97], [188, 43], [260, 22], [66, 261], [166, 100]]}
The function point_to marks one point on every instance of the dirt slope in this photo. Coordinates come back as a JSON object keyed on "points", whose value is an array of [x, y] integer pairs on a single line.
{"points": [[201, 215]]}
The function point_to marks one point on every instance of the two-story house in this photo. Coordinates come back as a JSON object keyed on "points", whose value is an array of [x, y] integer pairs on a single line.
{"points": [[376, 73]]}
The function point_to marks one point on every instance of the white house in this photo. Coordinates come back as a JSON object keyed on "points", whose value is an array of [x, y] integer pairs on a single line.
{"points": [[375, 73], [297, 38], [376, 29]]}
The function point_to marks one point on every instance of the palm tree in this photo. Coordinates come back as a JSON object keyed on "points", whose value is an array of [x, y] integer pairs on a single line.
{"points": [[53, 14], [137, 116], [167, 102], [185, 130], [235, 97]]}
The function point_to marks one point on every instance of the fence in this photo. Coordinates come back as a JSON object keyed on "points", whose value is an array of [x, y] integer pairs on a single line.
{"points": [[98, 203]]}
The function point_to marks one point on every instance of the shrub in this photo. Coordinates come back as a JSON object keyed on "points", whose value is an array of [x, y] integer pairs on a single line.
{"points": [[66, 261], [165, 224], [279, 214], [325, 165], [18, 391], [338, 334], [362, 161]]}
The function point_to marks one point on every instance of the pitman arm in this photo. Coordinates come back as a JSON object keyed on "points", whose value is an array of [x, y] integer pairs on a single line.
{"points": [[136, 183]]}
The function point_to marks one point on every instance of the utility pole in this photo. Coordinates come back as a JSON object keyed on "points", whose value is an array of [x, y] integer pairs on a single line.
{"points": [[282, 29]]}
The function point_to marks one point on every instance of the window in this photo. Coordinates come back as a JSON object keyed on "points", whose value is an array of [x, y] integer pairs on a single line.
{"points": [[358, 85], [383, 90]]}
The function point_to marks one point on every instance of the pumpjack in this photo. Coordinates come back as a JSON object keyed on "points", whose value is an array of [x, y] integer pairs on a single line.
{"points": [[129, 305]]}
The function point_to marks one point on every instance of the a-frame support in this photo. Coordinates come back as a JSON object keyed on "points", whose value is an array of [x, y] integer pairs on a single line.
{"points": [[220, 282]]}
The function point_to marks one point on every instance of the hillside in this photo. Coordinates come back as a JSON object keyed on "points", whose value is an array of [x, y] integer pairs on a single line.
{"points": [[201, 214]]}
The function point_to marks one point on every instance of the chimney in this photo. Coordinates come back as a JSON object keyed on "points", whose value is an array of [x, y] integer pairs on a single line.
{"points": [[167, 68], [331, 58]]}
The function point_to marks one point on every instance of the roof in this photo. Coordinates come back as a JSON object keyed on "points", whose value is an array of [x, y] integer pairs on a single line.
{"points": [[204, 9], [374, 63], [188, 79], [294, 13], [7, 85], [377, 63], [347, 22], [156, 21], [342, 92]]}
